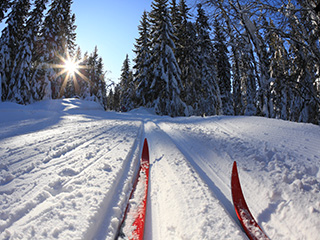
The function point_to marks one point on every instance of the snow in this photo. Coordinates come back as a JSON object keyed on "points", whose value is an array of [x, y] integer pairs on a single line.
{"points": [[67, 168]]}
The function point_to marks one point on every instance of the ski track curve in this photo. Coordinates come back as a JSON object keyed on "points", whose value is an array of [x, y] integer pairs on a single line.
{"points": [[180, 204]]}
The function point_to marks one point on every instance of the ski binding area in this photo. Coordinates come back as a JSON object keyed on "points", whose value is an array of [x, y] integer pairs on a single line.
{"points": [[68, 168]]}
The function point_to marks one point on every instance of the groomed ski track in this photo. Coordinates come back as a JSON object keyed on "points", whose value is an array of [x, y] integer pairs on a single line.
{"points": [[67, 173]]}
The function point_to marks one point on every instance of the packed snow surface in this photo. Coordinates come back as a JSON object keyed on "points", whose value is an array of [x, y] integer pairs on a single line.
{"points": [[67, 168]]}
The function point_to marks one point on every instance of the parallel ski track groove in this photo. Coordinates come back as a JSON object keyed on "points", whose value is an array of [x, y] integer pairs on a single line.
{"points": [[224, 201], [212, 187], [91, 164]]}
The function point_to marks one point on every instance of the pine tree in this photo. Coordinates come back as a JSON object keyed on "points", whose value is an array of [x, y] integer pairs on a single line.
{"points": [[4, 6], [116, 98], [143, 75], [185, 53], [223, 68], [95, 77], [57, 39], [209, 101], [10, 40], [166, 85], [126, 86], [23, 87]]}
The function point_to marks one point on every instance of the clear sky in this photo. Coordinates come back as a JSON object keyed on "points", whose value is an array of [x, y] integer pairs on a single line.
{"points": [[112, 25]]}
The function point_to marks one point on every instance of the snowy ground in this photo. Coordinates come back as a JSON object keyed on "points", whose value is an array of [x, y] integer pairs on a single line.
{"points": [[67, 168]]}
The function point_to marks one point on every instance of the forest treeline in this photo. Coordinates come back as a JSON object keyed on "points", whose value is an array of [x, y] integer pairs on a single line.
{"points": [[225, 57], [231, 57]]}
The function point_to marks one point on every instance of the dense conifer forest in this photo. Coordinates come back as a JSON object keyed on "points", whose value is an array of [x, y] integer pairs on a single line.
{"points": [[225, 57]]}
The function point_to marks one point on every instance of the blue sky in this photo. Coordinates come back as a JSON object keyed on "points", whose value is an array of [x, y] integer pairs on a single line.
{"points": [[110, 25]]}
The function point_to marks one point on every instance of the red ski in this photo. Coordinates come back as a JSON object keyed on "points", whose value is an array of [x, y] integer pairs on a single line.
{"points": [[133, 223], [249, 224]]}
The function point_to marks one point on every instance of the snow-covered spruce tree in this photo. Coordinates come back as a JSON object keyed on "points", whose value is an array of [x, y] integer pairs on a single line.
{"points": [[126, 86], [83, 82], [166, 85], [190, 71], [142, 74], [4, 6], [208, 97], [10, 40], [95, 76], [116, 98], [223, 68], [185, 51], [57, 38], [23, 88]]}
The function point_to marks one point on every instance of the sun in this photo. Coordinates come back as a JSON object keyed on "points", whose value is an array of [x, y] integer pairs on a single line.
{"points": [[71, 67]]}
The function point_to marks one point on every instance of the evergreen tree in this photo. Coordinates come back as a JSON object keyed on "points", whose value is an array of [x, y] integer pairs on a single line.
{"points": [[209, 101], [10, 40], [95, 76], [116, 98], [166, 85], [190, 70], [4, 6], [57, 38], [175, 16], [223, 68], [185, 53], [23, 88], [110, 100], [126, 86], [143, 75]]}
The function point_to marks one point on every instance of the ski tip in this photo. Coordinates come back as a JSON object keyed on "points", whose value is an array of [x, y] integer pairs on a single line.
{"points": [[145, 151], [234, 168]]}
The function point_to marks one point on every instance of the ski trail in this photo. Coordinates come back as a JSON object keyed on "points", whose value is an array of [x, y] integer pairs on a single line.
{"points": [[267, 162], [212, 158], [217, 177], [179, 199], [89, 173]]}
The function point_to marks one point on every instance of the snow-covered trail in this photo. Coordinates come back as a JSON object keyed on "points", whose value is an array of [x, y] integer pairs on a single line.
{"points": [[68, 180], [181, 206], [67, 169], [279, 168]]}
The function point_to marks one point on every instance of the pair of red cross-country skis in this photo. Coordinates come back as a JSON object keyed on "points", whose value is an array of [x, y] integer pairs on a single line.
{"points": [[137, 211]]}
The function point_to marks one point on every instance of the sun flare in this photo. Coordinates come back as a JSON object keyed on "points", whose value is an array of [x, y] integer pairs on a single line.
{"points": [[71, 67]]}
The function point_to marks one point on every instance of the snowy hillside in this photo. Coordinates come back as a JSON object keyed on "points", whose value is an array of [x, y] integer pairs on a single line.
{"points": [[67, 168]]}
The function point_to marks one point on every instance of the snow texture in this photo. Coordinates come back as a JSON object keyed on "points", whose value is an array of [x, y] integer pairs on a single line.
{"points": [[67, 168]]}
